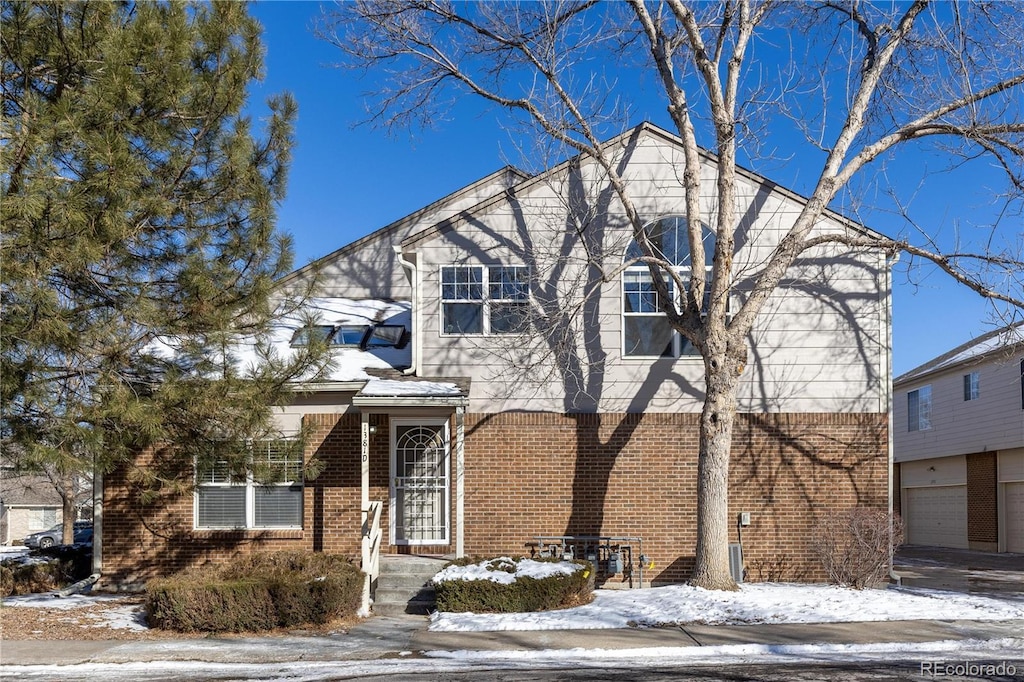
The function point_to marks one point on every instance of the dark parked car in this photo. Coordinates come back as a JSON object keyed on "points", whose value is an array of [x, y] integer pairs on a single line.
{"points": [[53, 536]]}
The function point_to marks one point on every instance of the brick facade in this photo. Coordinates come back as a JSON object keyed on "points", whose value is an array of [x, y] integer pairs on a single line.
{"points": [[530, 474], [982, 513], [635, 475]]}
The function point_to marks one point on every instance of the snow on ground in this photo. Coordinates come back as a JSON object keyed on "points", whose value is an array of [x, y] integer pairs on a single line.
{"points": [[123, 617], [675, 604], [49, 600], [752, 603], [450, 662]]}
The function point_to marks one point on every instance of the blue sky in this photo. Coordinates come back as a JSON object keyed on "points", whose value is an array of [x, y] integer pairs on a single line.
{"points": [[347, 180]]}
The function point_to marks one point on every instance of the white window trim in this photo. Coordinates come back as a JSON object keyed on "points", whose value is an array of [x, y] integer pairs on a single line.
{"points": [[485, 300], [250, 486], [677, 338]]}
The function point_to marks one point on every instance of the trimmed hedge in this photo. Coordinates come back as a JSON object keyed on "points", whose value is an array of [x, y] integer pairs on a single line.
{"points": [[215, 606], [259, 592], [526, 594]]}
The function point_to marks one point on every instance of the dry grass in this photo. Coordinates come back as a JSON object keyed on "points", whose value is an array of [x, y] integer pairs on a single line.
{"points": [[90, 623]]}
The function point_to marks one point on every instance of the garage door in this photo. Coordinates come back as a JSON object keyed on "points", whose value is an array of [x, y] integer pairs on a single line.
{"points": [[1013, 508], [937, 516]]}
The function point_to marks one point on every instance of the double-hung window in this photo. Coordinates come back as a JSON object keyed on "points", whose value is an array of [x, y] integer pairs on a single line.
{"points": [[646, 331], [484, 299], [508, 293], [919, 409], [269, 495]]}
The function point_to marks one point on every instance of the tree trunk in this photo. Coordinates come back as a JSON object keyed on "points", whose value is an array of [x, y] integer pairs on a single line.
{"points": [[67, 497], [722, 370]]}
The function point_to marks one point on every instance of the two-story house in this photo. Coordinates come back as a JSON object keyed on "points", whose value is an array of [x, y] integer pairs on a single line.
{"points": [[958, 429], [504, 372]]}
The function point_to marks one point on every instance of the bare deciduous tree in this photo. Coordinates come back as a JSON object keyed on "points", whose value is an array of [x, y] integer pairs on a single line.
{"points": [[863, 82]]}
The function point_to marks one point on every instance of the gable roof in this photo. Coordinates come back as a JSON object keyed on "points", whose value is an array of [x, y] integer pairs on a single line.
{"points": [[28, 490], [647, 129], [510, 174], [1004, 339]]}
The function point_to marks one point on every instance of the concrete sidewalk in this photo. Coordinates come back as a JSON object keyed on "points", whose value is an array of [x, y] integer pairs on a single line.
{"points": [[388, 637]]}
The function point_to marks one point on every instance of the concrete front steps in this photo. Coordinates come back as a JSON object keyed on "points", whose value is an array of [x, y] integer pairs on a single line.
{"points": [[403, 585]]}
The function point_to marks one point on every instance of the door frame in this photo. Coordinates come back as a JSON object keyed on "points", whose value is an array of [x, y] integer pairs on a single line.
{"points": [[395, 423]]}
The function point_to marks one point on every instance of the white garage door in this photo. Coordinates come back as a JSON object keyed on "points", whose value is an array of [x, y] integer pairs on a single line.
{"points": [[937, 516], [1013, 508]]}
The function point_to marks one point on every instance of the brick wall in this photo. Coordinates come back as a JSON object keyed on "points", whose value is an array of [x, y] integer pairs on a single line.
{"points": [[547, 474], [982, 515], [634, 475], [146, 539]]}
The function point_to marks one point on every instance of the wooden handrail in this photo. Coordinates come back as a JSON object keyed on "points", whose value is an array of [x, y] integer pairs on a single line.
{"points": [[372, 535]]}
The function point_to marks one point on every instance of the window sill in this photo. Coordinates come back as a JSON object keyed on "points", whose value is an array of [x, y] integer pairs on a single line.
{"points": [[249, 533]]}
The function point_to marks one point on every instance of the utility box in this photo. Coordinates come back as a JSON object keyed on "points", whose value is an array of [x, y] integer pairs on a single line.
{"points": [[736, 561]]}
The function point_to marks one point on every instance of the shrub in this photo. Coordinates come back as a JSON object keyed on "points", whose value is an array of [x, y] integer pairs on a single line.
{"points": [[182, 603], [854, 547], [28, 577], [257, 592], [524, 593], [45, 570], [6, 581]]}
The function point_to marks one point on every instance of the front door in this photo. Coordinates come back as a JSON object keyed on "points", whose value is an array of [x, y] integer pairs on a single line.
{"points": [[419, 482]]}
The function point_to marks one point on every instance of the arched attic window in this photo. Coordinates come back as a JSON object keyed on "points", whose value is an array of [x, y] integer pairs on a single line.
{"points": [[645, 328]]}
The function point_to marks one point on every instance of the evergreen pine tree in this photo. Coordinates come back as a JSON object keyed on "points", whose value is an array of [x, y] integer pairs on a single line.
{"points": [[139, 248]]}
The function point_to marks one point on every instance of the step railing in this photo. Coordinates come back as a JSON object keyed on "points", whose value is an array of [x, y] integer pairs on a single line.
{"points": [[372, 535]]}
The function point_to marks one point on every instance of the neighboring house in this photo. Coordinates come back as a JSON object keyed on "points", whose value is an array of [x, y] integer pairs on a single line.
{"points": [[27, 504], [958, 428], [503, 373], [30, 503]]}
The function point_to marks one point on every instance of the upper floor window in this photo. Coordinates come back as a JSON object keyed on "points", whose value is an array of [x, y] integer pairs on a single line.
{"points": [[646, 330], [484, 299], [972, 386], [223, 500], [919, 409]]}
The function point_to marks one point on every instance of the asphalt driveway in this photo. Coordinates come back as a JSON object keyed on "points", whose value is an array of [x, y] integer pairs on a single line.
{"points": [[983, 573]]}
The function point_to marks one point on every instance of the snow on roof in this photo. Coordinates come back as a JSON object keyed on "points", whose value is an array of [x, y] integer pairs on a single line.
{"points": [[409, 387], [974, 349], [349, 364]]}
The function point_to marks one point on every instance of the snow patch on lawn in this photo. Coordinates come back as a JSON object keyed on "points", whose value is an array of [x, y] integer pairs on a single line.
{"points": [[49, 600], [752, 603]]}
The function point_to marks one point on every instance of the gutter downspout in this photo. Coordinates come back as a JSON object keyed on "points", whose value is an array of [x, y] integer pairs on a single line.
{"points": [[887, 313], [411, 272]]}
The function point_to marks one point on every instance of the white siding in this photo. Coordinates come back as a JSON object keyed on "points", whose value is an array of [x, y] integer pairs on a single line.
{"points": [[818, 347], [995, 421], [371, 269], [939, 471]]}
